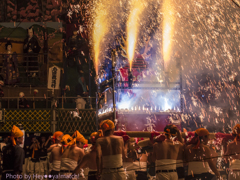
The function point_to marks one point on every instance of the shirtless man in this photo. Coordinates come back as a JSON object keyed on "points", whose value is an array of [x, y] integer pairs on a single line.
{"points": [[199, 157], [57, 137], [89, 159], [165, 153], [73, 154], [110, 153], [233, 150], [56, 151]]}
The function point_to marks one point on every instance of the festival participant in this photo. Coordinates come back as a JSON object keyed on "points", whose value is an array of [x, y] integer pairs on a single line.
{"points": [[141, 166], [43, 155], [165, 153], [57, 137], [34, 163], [110, 153], [128, 162], [89, 159], [73, 154], [233, 151], [56, 152], [199, 158], [13, 156]]}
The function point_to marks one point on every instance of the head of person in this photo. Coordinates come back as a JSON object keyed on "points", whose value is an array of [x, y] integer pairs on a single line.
{"points": [[66, 140], [236, 132], [107, 127], [30, 32], [8, 46], [79, 139], [170, 131], [16, 136], [57, 137], [201, 135], [95, 135]]}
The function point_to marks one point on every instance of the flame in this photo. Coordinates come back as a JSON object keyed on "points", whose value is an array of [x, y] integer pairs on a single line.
{"points": [[168, 27], [133, 28], [100, 29]]}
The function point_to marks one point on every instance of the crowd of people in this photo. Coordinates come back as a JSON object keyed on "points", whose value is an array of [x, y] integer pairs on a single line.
{"points": [[115, 155]]}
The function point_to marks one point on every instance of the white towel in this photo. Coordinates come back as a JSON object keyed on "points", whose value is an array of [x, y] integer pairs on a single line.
{"points": [[68, 164], [198, 168], [235, 164], [56, 165], [165, 164], [112, 161]]}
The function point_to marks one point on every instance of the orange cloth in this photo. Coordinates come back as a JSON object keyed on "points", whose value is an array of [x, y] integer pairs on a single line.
{"points": [[236, 131], [66, 141], [34, 149], [95, 135], [56, 135], [200, 133], [79, 137], [107, 125], [15, 133]]}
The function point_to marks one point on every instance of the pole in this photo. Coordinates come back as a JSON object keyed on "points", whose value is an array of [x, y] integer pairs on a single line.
{"points": [[97, 110], [113, 84]]}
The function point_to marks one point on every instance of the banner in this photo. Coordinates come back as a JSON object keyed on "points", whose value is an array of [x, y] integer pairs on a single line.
{"points": [[54, 77]]}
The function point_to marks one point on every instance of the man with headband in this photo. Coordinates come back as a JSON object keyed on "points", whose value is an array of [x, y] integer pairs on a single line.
{"points": [[199, 158], [13, 156], [165, 153], [110, 153], [72, 154], [89, 160], [233, 151], [56, 152]]}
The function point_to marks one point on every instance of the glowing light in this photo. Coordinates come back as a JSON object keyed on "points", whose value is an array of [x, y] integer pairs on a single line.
{"points": [[100, 28], [168, 26], [133, 28]]}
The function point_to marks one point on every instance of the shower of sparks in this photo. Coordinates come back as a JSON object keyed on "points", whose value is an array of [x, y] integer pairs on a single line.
{"points": [[133, 28], [207, 35], [168, 30], [100, 28]]}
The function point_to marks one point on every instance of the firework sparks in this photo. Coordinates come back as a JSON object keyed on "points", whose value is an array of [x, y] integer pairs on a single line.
{"points": [[168, 30], [133, 28]]}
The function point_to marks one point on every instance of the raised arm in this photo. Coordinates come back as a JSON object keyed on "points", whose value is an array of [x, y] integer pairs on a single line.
{"points": [[210, 161], [51, 147], [82, 164]]}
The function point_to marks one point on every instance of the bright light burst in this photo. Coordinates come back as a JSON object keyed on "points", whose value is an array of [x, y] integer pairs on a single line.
{"points": [[168, 30], [137, 8], [100, 28]]}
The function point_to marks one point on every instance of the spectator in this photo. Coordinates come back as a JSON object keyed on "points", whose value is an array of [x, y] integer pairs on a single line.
{"points": [[23, 103], [13, 155], [43, 155], [34, 164], [80, 102]]}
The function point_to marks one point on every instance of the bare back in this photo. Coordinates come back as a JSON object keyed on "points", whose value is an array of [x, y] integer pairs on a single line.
{"points": [[233, 150], [56, 153], [73, 152], [196, 154], [92, 163], [166, 150], [111, 145]]}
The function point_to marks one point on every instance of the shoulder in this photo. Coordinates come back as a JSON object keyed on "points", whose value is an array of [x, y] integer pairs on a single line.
{"points": [[231, 144]]}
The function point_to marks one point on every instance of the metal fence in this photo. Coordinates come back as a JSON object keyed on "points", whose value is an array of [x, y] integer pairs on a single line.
{"points": [[69, 121], [43, 120], [46, 102], [33, 120]]}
